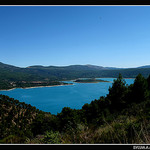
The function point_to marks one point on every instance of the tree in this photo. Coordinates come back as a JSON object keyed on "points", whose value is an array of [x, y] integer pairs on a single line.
{"points": [[68, 118], [140, 89], [117, 93], [148, 81]]}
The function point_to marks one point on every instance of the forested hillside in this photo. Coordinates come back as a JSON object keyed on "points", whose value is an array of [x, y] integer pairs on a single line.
{"points": [[13, 77], [123, 116]]}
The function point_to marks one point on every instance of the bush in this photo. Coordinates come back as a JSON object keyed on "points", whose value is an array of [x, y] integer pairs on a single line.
{"points": [[51, 137]]}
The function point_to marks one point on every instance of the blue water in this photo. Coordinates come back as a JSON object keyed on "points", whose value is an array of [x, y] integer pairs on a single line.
{"points": [[53, 99]]}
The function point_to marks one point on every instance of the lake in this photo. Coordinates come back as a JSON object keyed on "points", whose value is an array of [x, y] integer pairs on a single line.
{"points": [[53, 99]]}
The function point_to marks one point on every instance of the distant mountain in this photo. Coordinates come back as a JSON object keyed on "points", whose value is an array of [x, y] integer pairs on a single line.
{"points": [[112, 68], [6, 66], [94, 66], [146, 66], [75, 67], [45, 73]]}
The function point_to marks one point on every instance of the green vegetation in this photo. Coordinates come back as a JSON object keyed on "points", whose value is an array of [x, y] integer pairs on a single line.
{"points": [[89, 80], [26, 84], [123, 116], [13, 77]]}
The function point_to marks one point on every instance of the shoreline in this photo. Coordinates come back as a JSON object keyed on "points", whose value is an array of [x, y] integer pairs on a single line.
{"points": [[35, 87], [116, 78], [58, 85], [90, 82]]}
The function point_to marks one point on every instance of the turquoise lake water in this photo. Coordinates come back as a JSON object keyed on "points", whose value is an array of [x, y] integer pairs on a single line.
{"points": [[53, 99]]}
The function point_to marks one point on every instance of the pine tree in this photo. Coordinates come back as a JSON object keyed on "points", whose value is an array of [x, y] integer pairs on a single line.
{"points": [[117, 93]]}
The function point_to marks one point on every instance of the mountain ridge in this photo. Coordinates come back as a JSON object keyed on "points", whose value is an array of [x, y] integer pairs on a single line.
{"points": [[3, 65], [145, 66], [38, 75], [39, 72], [88, 66]]}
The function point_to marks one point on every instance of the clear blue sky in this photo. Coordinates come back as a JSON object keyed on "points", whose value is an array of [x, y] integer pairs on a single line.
{"points": [[114, 36]]}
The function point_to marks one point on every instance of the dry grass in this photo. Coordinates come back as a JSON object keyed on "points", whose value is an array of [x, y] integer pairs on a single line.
{"points": [[127, 131]]}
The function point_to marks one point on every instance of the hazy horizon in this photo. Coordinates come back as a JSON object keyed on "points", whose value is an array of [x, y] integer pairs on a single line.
{"points": [[72, 65]]}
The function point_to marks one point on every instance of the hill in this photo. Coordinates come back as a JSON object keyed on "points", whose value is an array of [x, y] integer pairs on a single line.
{"points": [[147, 66], [75, 67], [16, 77], [24, 77]]}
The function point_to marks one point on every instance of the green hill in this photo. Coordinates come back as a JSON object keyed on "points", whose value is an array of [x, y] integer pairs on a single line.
{"points": [[11, 76]]}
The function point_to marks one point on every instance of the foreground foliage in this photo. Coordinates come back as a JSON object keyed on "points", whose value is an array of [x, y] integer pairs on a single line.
{"points": [[123, 116]]}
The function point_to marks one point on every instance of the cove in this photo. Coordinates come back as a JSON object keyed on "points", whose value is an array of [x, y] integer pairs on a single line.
{"points": [[53, 99]]}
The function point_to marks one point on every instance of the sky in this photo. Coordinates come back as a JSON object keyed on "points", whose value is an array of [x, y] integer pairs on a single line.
{"points": [[109, 36]]}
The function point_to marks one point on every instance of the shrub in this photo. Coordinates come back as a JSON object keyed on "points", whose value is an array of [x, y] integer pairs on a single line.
{"points": [[51, 137]]}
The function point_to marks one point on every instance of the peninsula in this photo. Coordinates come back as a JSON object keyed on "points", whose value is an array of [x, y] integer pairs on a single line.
{"points": [[31, 84]]}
